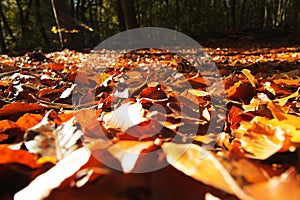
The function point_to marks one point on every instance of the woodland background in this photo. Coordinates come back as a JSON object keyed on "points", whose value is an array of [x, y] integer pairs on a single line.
{"points": [[27, 25]]}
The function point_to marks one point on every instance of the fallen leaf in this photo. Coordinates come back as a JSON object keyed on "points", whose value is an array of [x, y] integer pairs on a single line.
{"points": [[285, 186], [29, 120], [295, 82], [249, 76], [234, 116], [18, 108], [128, 152], [240, 91], [249, 171], [41, 186], [124, 117], [45, 140], [198, 93], [67, 92], [263, 137], [3, 137], [282, 116], [17, 156], [7, 124], [203, 166], [284, 100]]}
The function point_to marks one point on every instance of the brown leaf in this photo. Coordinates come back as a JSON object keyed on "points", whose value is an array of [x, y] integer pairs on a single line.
{"points": [[234, 116], [153, 93], [240, 91], [284, 100], [81, 78], [3, 137], [294, 82], [250, 171], [49, 93], [18, 108], [55, 66]]}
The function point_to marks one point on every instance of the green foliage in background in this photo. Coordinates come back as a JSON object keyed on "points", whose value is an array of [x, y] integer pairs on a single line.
{"points": [[27, 25]]}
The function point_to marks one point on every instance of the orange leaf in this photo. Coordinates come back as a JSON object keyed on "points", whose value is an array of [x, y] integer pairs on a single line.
{"points": [[240, 91], [29, 120], [3, 137], [6, 124], [286, 186], [17, 156], [295, 82], [263, 137], [19, 107], [128, 152], [63, 118], [55, 66]]}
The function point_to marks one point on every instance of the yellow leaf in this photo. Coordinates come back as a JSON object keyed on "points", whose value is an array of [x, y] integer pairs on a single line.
{"points": [[287, 81], [198, 93], [269, 87], [285, 186], [128, 151], [249, 76], [203, 166], [283, 100], [47, 159], [263, 137], [282, 116]]}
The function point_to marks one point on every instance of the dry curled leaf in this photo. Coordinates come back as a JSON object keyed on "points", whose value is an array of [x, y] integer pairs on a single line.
{"points": [[41, 186], [249, 76], [263, 137], [124, 117], [203, 166], [128, 152]]}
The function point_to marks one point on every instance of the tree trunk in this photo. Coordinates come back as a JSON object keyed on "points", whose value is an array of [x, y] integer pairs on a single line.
{"points": [[232, 5], [39, 20], [122, 23], [226, 12], [129, 14], [296, 13], [177, 15], [243, 13], [71, 40], [72, 8], [22, 20], [5, 25], [2, 41]]}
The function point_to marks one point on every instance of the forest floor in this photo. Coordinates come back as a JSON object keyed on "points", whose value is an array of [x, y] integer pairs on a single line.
{"points": [[55, 106]]}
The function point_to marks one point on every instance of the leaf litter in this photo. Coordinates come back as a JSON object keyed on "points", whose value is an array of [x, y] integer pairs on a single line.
{"points": [[139, 103]]}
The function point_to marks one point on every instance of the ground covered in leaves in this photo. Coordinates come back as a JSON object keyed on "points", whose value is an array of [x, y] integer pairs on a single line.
{"points": [[54, 106]]}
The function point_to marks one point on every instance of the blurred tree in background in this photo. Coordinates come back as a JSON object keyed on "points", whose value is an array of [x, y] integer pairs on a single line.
{"points": [[27, 25]]}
